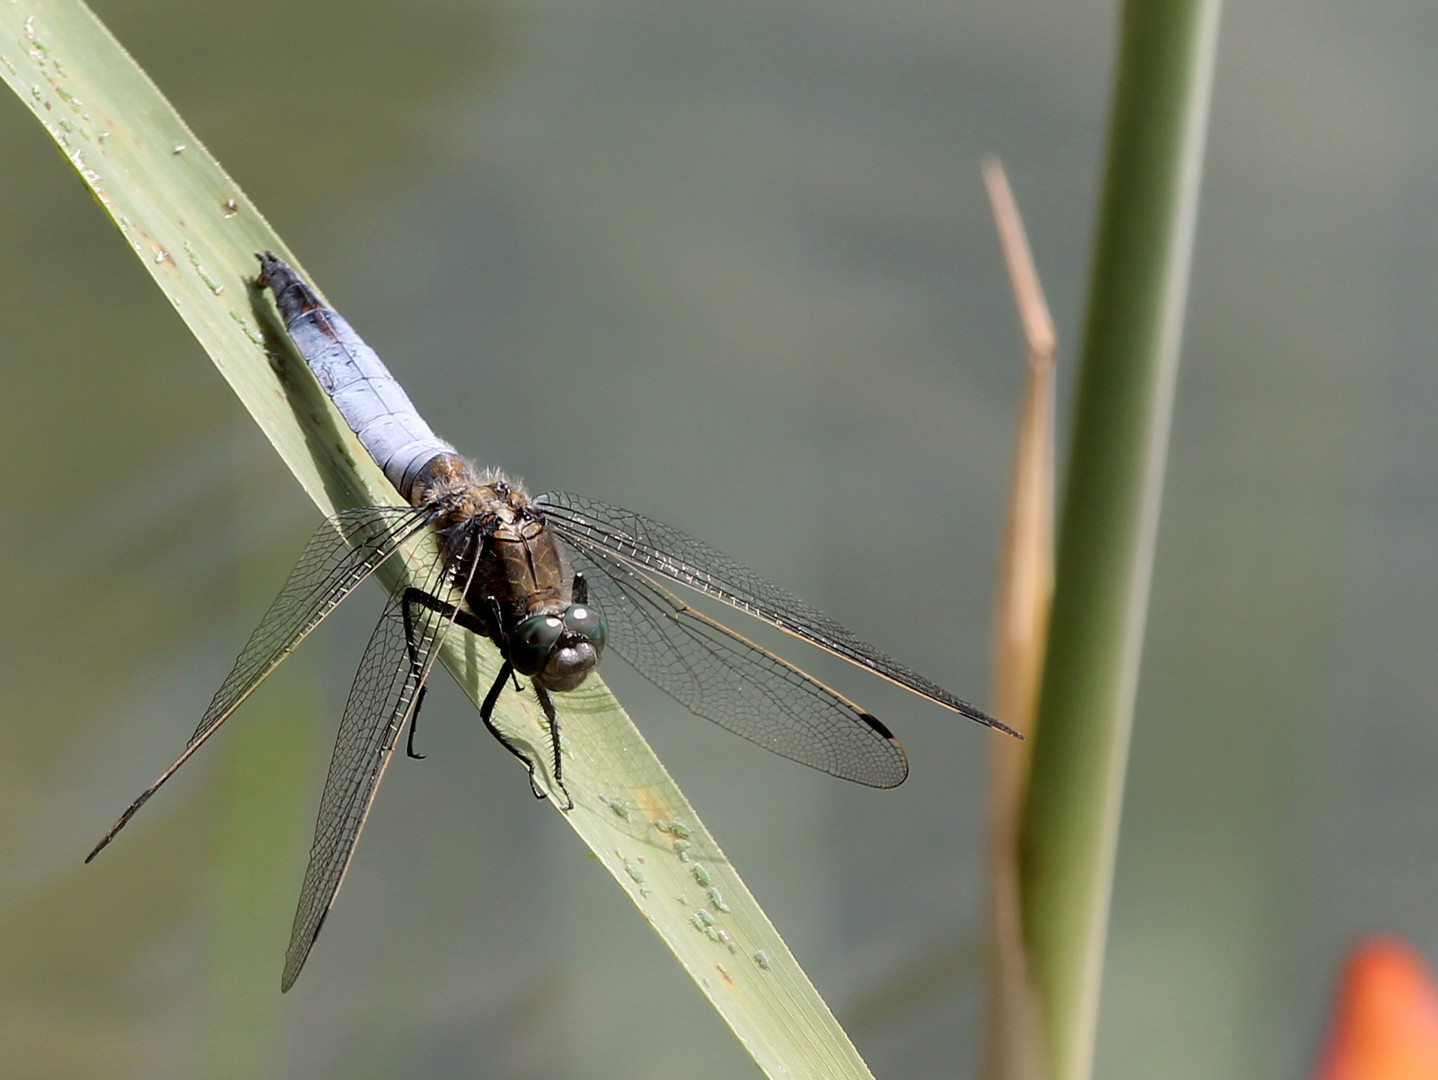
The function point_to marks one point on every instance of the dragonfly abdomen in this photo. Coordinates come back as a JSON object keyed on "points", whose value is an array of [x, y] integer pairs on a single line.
{"points": [[374, 405]]}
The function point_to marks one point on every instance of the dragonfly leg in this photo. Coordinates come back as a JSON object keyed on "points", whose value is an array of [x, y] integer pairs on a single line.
{"points": [[418, 597], [497, 616], [547, 704], [409, 750], [486, 713], [449, 611]]}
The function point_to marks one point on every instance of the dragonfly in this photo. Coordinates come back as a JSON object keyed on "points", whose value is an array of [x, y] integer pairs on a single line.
{"points": [[553, 582]]}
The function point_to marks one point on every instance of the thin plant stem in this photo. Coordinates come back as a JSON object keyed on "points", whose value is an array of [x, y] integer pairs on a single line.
{"points": [[1111, 507]]}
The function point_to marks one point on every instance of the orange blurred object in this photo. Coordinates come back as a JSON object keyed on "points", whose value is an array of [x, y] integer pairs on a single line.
{"points": [[1385, 1021]]}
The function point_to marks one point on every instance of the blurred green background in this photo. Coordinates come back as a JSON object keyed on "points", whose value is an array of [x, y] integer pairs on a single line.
{"points": [[730, 265]]}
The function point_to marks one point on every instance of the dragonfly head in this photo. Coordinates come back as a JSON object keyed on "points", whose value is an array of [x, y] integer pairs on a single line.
{"points": [[558, 650]]}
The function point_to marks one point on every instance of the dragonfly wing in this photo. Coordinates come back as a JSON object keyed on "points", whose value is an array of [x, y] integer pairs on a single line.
{"points": [[730, 680], [656, 548], [392, 673], [342, 553]]}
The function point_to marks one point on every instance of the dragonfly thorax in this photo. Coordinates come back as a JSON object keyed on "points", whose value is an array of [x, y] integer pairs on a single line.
{"points": [[512, 571], [525, 588]]}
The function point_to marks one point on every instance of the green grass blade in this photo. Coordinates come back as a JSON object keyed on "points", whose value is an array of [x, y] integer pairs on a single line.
{"points": [[1111, 504], [196, 233]]}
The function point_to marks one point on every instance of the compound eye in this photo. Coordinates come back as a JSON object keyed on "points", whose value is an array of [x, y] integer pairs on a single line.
{"points": [[530, 645], [587, 623]]}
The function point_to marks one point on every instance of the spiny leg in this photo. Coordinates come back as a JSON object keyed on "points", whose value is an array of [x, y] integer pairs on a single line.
{"points": [[409, 750], [547, 704], [497, 618], [413, 596], [486, 713], [491, 699]]}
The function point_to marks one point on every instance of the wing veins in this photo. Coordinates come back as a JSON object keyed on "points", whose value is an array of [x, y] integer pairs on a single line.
{"points": [[629, 537], [728, 679], [386, 692], [302, 604]]}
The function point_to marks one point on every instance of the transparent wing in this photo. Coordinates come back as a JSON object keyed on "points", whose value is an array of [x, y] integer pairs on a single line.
{"points": [[657, 548], [727, 679], [342, 553], [385, 694]]}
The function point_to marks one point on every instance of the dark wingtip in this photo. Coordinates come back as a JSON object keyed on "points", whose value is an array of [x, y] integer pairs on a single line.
{"points": [[102, 845], [293, 967], [105, 840], [988, 721], [295, 963], [130, 812], [99, 847], [902, 774], [878, 725], [997, 725]]}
